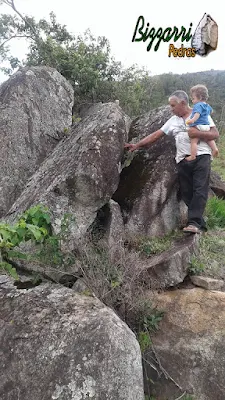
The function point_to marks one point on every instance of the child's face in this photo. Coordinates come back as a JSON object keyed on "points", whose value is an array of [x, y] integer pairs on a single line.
{"points": [[194, 99]]}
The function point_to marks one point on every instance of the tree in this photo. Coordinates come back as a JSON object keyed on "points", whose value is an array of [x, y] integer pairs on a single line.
{"points": [[84, 60]]}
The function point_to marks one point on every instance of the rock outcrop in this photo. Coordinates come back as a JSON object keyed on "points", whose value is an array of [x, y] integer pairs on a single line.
{"points": [[81, 174], [189, 347], [217, 185], [35, 109], [148, 187], [170, 267], [56, 344]]}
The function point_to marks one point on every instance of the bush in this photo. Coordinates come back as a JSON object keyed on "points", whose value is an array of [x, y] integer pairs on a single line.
{"points": [[120, 285]]}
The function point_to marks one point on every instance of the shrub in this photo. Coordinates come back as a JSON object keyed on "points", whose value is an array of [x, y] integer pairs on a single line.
{"points": [[121, 286]]}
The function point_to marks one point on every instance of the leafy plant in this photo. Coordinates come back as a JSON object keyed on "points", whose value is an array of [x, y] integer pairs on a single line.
{"points": [[32, 225], [38, 215], [49, 251], [9, 269], [149, 320]]}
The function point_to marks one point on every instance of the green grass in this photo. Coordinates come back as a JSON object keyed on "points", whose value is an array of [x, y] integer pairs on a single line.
{"points": [[218, 164], [210, 260], [215, 213], [150, 246]]}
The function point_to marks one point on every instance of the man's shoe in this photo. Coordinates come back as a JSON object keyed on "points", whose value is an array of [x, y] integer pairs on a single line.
{"points": [[191, 229]]}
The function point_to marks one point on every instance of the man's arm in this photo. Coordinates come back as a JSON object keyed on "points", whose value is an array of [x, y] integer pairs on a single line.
{"points": [[212, 134], [146, 141]]}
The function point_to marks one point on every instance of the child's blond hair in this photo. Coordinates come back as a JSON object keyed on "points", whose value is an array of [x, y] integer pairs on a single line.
{"points": [[200, 91]]}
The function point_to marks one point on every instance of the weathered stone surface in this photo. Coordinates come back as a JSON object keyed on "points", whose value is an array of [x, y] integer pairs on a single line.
{"points": [[35, 108], [217, 185], [109, 226], [148, 188], [189, 345], [56, 344], [88, 108], [207, 282], [171, 267], [81, 174], [149, 122]]}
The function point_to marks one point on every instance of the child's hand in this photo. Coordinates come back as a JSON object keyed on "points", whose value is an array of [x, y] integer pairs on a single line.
{"points": [[188, 122]]}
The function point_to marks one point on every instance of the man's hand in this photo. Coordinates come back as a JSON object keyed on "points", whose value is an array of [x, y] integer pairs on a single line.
{"points": [[212, 134], [146, 141], [193, 132], [130, 146]]}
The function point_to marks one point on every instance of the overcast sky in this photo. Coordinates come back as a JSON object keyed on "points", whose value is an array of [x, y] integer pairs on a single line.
{"points": [[117, 20]]}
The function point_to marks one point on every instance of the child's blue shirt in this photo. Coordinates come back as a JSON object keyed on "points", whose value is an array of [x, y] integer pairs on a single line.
{"points": [[204, 110]]}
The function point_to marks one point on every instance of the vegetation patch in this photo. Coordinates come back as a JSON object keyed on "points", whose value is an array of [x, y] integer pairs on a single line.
{"points": [[148, 247], [215, 213]]}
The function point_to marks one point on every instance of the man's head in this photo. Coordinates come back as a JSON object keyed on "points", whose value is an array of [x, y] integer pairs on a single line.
{"points": [[178, 102]]}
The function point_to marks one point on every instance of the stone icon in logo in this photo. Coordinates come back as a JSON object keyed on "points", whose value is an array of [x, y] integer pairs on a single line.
{"points": [[205, 38]]}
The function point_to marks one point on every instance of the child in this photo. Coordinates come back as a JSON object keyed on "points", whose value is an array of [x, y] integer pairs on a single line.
{"points": [[199, 118]]}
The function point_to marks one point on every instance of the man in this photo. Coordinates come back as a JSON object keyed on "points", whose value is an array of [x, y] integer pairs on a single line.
{"points": [[193, 175]]}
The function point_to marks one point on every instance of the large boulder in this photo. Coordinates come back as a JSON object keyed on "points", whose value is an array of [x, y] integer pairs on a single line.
{"points": [[189, 348], [35, 109], [81, 174], [148, 189], [56, 344]]}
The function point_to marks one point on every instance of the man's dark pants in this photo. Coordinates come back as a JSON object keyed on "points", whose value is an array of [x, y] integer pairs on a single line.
{"points": [[194, 186]]}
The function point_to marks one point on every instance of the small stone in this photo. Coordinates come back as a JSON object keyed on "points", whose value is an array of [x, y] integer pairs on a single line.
{"points": [[207, 282], [80, 286]]}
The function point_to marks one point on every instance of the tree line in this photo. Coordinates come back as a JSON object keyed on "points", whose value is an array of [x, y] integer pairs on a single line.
{"points": [[86, 62]]}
